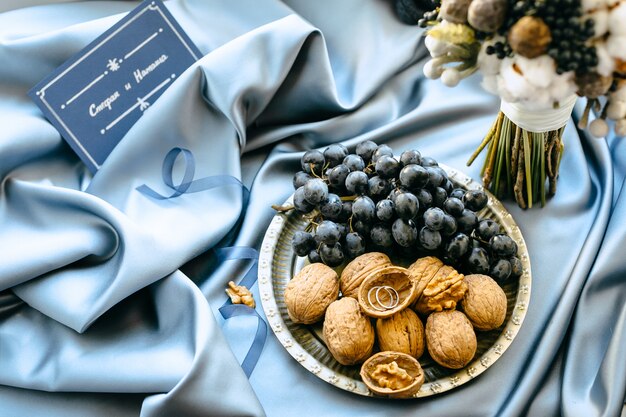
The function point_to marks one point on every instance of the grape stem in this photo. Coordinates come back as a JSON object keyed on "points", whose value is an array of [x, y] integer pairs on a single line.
{"points": [[283, 209]]}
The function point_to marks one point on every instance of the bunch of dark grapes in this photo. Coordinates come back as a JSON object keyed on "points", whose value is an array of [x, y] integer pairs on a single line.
{"points": [[406, 207]]}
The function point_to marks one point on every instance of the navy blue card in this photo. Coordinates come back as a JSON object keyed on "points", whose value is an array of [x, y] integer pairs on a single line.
{"points": [[94, 98]]}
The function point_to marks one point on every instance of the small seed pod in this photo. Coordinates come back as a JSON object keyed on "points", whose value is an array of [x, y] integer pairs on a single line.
{"points": [[529, 37], [593, 85], [486, 15], [454, 11]]}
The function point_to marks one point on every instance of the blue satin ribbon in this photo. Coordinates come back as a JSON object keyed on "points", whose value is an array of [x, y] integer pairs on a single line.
{"points": [[189, 185], [229, 310]]}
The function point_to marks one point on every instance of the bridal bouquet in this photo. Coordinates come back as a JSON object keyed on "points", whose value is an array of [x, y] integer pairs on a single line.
{"points": [[538, 56]]}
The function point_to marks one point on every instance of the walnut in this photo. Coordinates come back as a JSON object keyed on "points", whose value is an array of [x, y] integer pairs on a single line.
{"points": [[484, 303], [240, 295], [310, 292], [442, 291], [360, 267], [422, 271], [386, 291], [402, 332], [450, 339], [393, 375], [348, 333], [529, 37]]}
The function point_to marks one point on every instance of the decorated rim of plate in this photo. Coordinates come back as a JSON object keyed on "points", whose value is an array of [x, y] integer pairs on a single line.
{"points": [[462, 376]]}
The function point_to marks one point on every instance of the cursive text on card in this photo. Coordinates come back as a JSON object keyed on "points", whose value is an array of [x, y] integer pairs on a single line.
{"points": [[140, 74], [94, 109]]}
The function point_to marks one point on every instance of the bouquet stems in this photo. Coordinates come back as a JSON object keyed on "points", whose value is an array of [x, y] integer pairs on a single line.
{"points": [[519, 163]]}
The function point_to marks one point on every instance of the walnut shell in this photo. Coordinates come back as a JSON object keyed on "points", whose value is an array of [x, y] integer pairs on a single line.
{"points": [[422, 271], [393, 375], [484, 302], [402, 332], [376, 297], [442, 292], [450, 339], [310, 292], [358, 269], [348, 333]]}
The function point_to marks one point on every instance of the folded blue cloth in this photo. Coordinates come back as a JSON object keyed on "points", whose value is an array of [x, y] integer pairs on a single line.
{"points": [[108, 297]]}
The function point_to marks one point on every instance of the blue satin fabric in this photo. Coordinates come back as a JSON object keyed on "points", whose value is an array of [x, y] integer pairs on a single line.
{"points": [[109, 299]]}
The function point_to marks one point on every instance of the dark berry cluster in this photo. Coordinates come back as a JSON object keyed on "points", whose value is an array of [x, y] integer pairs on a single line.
{"points": [[500, 49], [406, 207]]}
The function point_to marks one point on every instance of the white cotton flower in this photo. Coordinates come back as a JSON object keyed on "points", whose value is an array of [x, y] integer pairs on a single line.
{"points": [[616, 110], [563, 86], [503, 90], [490, 84], [516, 83], [620, 127], [538, 71], [435, 46], [617, 20], [488, 64], [600, 19], [606, 63], [616, 46], [450, 77], [592, 4]]}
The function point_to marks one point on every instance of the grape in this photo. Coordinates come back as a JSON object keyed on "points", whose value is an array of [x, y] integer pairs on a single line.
{"points": [[331, 207], [315, 191], [378, 188], [381, 236], [467, 221], [448, 186], [516, 267], [427, 161], [364, 209], [363, 228], [343, 229], [475, 200], [430, 239], [331, 255], [335, 154], [404, 232], [410, 157], [500, 270], [387, 166], [434, 218], [395, 193], [502, 245], [478, 261], [337, 176], [458, 246], [385, 210], [439, 196], [435, 179], [457, 193], [406, 206], [366, 149], [346, 211], [300, 179], [312, 162], [425, 198], [382, 150], [487, 229], [449, 225], [354, 245], [327, 232], [299, 203], [357, 183], [303, 243], [354, 162], [453, 206], [413, 176], [314, 256]]}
